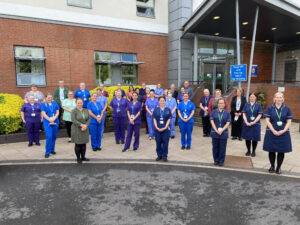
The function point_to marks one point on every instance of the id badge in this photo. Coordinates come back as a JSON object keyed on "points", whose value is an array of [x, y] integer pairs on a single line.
{"points": [[236, 118], [84, 99], [279, 123], [98, 116], [32, 114], [161, 121], [220, 129], [36, 100], [185, 116], [131, 116], [252, 118], [152, 110], [118, 110]]}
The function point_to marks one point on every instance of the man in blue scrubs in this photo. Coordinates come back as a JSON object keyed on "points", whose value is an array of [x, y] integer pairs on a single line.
{"points": [[159, 91], [83, 93]]}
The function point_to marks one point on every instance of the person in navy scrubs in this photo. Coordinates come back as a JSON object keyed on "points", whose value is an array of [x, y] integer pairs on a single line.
{"points": [[134, 110], [161, 119], [151, 104], [220, 120], [50, 113], [171, 104], [31, 116], [204, 112], [277, 136], [84, 94], [252, 113], [186, 110], [96, 114], [118, 106]]}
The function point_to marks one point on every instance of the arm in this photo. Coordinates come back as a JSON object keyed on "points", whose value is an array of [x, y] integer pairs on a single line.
{"points": [[174, 109], [155, 125], [192, 114], [287, 126], [148, 110], [22, 115], [225, 127], [201, 106], [167, 125], [180, 116], [213, 125], [271, 127], [245, 119], [74, 120], [256, 120]]}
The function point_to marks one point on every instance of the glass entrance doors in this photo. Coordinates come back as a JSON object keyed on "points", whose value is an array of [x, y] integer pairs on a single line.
{"points": [[215, 75]]}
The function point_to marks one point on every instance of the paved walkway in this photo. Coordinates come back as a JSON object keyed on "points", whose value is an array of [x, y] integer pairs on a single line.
{"points": [[199, 153]]}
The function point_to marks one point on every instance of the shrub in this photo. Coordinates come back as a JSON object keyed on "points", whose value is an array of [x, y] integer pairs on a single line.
{"points": [[10, 113]]}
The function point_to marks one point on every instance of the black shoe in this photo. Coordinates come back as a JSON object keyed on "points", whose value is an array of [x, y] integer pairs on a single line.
{"points": [[182, 147], [46, 156], [234, 138], [172, 137], [53, 153], [122, 142], [69, 141], [79, 161], [85, 159], [99, 149], [208, 135], [188, 147], [117, 142], [240, 139], [204, 135], [125, 150], [253, 154], [158, 159], [221, 164], [30, 144], [165, 159], [94, 149], [134, 149], [278, 171], [216, 163], [271, 170], [38, 144], [247, 154]]}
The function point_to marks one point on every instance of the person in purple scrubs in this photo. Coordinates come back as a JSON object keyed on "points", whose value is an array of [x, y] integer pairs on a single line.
{"points": [[118, 106], [31, 116], [134, 110], [151, 104]]}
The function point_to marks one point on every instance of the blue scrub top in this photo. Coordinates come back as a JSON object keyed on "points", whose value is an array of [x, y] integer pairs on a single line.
{"points": [[285, 115], [225, 115], [256, 108], [84, 95], [171, 104], [159, 91], [96, 109], [102, 100], [119, 107], [151, 104], [165, 115], [186, 109], [32, 113], [134, 109], [50, 111]]}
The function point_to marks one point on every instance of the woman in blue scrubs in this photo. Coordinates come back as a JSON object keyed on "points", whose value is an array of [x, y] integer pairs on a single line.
{"points": [[50, 113], [252, 113], [172, 105], [103, 101], [96, 114], [220, 120], [151, 104], [186, 110], [161, 119], [277, 138]]}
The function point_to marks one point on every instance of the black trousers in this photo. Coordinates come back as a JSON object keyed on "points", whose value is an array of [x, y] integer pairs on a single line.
{"points": [[236, 126], [80, 150], [272, 157], [254, 145], [206, 125], [68, 126]]}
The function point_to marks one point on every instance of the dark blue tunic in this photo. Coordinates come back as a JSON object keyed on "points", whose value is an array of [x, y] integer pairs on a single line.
{"points": [[225, 118], [252, 132], [283, 142]]}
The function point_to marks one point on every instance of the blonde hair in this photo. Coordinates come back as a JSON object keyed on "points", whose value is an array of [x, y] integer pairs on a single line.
{"points": [[239, 89], [278, 93]]}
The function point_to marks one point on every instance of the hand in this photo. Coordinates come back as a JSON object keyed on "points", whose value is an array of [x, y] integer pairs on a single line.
{"points": [[275, 133], [24, 121], [98, 120], [236, 114], [132, 121], [248, 124], [51, 120], [158, 129], [280, 132]]}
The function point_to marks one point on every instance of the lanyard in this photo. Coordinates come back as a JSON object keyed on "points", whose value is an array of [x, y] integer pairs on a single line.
{"points": [[82, 114], [185, 106], [132, 108], [51, 109], [206, 101], [32, 108], [252, 108], [162, 113], [98, 111], [220, 115], [278, 115], [238, 103]]}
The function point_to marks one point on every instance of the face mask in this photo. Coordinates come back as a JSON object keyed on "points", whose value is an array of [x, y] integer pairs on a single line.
{"points": [[169, 95]]}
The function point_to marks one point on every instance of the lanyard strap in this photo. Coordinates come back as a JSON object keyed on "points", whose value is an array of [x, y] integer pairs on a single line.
{"points": [[132, 108], [278, 114], [206, 100], [252, 108], [220, 115], [185, 106], [32, 108], [51, 109], [82, 114], [161, 113]]}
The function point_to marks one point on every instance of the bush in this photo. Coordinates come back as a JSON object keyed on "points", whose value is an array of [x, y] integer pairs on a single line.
{"points": [[110, 91], [10, 113]]}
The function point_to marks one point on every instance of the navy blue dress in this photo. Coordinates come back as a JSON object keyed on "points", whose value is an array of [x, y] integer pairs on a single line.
{"points": [[252, 133], [283, 142], [225, 115]]}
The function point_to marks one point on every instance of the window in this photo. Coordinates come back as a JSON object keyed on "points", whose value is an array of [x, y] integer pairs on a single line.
{"points": [[80, 3], [112, 68], [206, 47], [145, 8], [290, 69], [30, 66]]}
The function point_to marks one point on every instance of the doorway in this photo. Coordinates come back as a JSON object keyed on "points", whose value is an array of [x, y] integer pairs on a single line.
{"points": [[215, 75]]}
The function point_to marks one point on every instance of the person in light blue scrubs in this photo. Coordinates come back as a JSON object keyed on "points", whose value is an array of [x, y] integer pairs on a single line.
{"points": [[158, 91], [84, 94], [186, 110], [50, 113], [103, 101], [151, 104], [96, 114], [172, 105]]}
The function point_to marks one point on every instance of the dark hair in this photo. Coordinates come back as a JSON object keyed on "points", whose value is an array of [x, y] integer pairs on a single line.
{"points": [[136, 89], [221, 99], [77, 99], [185, 93], [152, 90], [253, 93], [33, 85], [161, 97], [135, 93], [130, 86]]}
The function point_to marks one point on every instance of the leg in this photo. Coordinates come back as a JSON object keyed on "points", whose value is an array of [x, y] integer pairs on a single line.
{"points": [[207, 125], [49, 133], [30, 131], [36, 132], [129, 136], [102, 123], [150, 125], [99, 128], [82, 152], [93, 130], [248, 144], [117, 129], [254, 145], [215, 144], [189, 130], [204, 125], [68, 125], [272, 157], [54, 135], [280, 157], [172, 126], [222, 147], [122, 128], [165, 143], [182, 126], [158, 144], [77, 151], [136, 136]]}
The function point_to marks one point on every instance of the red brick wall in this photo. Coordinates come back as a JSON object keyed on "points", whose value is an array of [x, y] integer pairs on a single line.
{"points": [[263, 54], [70, 53]]}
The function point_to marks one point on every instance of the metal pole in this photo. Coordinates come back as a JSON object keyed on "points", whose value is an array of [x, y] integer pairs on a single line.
{"points": [[274, 62], [179, 61], [252, 51], [195, 57], [237, 27]]}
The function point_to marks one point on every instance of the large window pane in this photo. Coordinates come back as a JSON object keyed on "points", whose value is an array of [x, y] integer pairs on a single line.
{"points": [[36, 67], [80, 3], [29, 52], [103, 74], [206, 47], [221, 48], [129, 74]]}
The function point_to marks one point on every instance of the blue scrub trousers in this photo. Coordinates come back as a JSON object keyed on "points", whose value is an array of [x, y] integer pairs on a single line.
{"points": [[186, 129], [162, 143], [172, 126], [95, 131], [103, 122], [150, 125], [219, 149], [51, 133]]}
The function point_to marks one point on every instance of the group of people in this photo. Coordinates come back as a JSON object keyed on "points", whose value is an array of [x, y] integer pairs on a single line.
{"points": [[159, 108]]}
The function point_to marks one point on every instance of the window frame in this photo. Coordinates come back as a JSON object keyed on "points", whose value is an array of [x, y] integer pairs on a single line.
{"points": [[80, 6], [145, 7], [30, 59]]}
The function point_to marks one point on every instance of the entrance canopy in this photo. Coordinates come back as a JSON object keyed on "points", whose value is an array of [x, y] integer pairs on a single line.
{"points": [[278, 20]]}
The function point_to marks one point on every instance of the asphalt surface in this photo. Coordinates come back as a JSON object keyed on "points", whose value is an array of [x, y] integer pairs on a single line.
{"points": [[144, 194]]}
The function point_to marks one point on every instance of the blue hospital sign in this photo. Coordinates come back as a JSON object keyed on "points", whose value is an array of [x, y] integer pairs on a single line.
{"points": [[254, 71], [238, 72]]}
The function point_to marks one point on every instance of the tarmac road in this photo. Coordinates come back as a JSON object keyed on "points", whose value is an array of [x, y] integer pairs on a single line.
{"points": [[120, 193]]}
